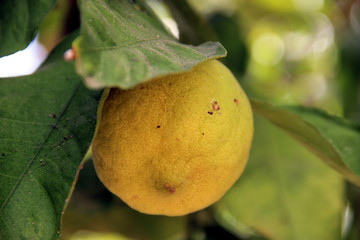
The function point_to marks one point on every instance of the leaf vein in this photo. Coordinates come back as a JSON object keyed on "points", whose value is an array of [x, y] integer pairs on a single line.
{"points": [[131, 44], [21, 177]]}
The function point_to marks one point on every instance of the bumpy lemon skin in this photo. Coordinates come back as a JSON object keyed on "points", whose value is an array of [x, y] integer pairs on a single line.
{"points": [[175, 144]]}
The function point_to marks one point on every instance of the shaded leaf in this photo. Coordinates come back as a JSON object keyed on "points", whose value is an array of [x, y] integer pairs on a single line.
{"points": [[120, 46], [331, 138], [19, 21], [47, 122], [193, 28], [230, 36], [349, 77], [285, 192], [62, 20]]}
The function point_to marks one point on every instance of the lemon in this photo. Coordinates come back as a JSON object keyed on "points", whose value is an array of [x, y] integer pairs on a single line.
{"points": [[175, 144]]}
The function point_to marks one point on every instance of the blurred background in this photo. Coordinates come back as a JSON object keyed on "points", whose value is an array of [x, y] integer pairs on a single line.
{"points": [[288, 52]]}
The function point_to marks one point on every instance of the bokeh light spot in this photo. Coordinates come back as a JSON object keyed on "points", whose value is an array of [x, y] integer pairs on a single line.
{"points": [[268, 49]]}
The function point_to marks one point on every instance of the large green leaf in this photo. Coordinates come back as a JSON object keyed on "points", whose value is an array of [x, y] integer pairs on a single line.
{"points": [[47, 122], [121, 46], [333, 139], [285, 192], [19, 21]]}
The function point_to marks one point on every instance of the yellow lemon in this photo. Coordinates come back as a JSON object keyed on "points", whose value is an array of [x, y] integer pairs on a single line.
{"points": [[175, 144]]}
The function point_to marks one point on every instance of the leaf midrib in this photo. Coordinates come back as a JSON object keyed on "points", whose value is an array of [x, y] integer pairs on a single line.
{"points": [[337, 159], [132, 44]]}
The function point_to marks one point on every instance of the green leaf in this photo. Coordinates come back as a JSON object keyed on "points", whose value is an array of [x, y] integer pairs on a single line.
{"points": [[285, 192], [193, 28], [19, 21], [47, 122], [349, 52], [121, 46], [232, 38], [331, 138]]}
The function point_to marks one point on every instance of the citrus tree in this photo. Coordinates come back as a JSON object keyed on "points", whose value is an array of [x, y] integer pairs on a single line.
{"points": [[296, 60]]}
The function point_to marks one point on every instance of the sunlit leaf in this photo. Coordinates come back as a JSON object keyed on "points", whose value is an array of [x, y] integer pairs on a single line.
{"points": [[19, 21], [121, 46], [331, 138], [285, 192], [47, 122]]}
